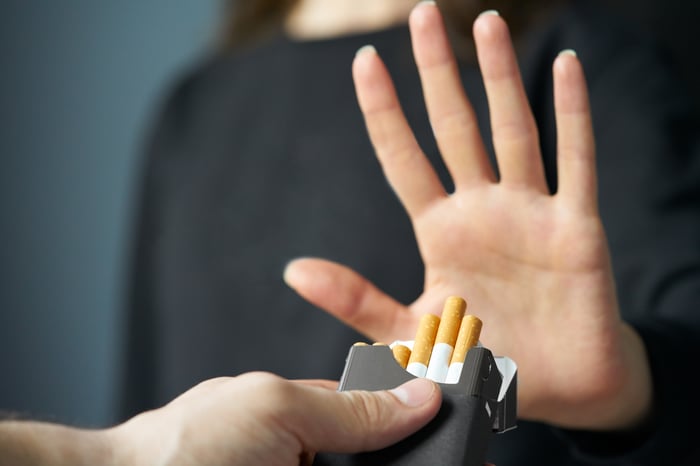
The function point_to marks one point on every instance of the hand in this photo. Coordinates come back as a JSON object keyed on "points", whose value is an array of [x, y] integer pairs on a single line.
{"points": [[534, 266], [255, 418], [258, 418]]}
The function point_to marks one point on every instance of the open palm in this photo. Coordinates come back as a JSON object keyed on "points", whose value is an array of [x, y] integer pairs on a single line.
{"points": [[532, 265]]}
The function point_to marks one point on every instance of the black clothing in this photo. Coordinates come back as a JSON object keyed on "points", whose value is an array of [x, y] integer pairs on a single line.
{"points": [[262, 156]]}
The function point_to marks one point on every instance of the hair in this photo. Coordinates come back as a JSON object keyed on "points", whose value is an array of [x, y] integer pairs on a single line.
{"points": [[251, 21]]}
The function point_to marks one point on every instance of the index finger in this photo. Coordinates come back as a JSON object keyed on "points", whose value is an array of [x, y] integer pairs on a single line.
{"points": [[407, 169], [515, 135]]}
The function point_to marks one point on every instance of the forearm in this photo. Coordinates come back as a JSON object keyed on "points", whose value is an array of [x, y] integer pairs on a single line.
{"points": [[26, 443]]}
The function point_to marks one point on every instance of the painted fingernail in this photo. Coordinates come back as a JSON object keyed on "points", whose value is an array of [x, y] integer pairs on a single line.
{"points": [[293, 276], [366, 49], [416, 392]]}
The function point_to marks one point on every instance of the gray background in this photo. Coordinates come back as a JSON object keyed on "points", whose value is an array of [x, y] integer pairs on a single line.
{"points": [[79, 80]]}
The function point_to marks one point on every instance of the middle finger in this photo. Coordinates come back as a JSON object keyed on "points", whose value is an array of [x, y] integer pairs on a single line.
{"points": [[451, 115], [515, 137]]}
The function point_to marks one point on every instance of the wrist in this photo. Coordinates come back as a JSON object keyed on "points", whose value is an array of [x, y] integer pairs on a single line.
{"points": [[26, 443], [626, 403], [636, 397], [144, 440]]}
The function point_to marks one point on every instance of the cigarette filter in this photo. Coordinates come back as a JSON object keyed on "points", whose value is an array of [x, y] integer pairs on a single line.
{"points": [[423, 345], [401, 353], [468, 337]]}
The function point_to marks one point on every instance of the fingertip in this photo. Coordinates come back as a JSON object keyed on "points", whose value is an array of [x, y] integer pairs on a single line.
{"points": [[489, 23], [365, 49], [363, 56], [490, 13], [566, 62], [569, 82], [422, 12], [368, 74], [494, 47], [431, 45], [295, 272], [424, 5]]}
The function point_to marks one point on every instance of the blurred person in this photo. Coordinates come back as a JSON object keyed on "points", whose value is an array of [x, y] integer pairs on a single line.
{"points": [[260, 155]]}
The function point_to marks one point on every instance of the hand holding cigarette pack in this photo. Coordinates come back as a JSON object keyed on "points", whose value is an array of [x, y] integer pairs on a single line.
{"points": [[479, 391]]}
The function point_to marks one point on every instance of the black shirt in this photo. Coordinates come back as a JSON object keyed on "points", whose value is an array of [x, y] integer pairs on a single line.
{"points": [[261, 156]]}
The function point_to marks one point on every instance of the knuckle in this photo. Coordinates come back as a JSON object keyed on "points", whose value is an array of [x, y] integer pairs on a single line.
{"points": [[270, 387], [369, 409]]}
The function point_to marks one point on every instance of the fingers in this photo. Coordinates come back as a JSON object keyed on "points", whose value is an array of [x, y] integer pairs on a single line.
{"points": [[451, 116], [350, 298], [576, 147], [515, 137], [405, 166], [356, 421]]}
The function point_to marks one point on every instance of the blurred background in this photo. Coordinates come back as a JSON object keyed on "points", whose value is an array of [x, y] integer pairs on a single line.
{"points": [[79, 82]]}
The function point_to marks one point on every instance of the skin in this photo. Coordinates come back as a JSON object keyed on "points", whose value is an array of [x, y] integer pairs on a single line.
{"points": [[319, 19], [534, 266], [255, 418]]}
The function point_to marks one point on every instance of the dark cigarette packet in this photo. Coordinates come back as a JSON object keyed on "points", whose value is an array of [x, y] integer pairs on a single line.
{"points": [[472, 410]]}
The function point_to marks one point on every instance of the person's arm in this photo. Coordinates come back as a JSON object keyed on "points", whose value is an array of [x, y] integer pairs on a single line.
{"points": [[28, 443], [255, 418], [534, 266]]}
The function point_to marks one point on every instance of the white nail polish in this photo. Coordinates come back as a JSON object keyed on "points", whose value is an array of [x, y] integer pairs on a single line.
{"points": [[366, 48]]}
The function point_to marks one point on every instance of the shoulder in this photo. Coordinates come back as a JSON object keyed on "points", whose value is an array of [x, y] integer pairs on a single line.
{"points": [[220, 77], [627, 67], [613, 49]]}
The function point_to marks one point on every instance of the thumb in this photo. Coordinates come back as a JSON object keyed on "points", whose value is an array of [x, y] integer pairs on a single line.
{"points": [[349, 297], [366, 421]]}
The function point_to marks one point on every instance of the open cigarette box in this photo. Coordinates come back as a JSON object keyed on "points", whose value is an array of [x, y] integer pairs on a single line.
{"points": [[481, 404]]}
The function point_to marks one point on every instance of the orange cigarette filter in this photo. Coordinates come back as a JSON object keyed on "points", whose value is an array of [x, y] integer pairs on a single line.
{"points": [[468, 337], [452, 314], [425, 339], [402, 354]]}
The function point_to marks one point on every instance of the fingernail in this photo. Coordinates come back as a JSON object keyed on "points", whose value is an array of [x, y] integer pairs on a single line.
{"points": [[427, 2], [490, 12], [415, 393], [571, 52], [366, 48], [292, 275]]}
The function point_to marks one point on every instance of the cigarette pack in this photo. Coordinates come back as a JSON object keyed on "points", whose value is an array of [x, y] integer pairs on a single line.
{"points": [[482, 403]]}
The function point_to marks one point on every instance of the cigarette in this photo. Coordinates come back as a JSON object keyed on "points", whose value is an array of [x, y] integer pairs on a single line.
{"points": [[401, 353], [423, 345], [469, 332], [452, 314]]}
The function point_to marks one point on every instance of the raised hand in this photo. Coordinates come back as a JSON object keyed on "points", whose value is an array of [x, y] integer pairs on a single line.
{"points": [[534, 266]]}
